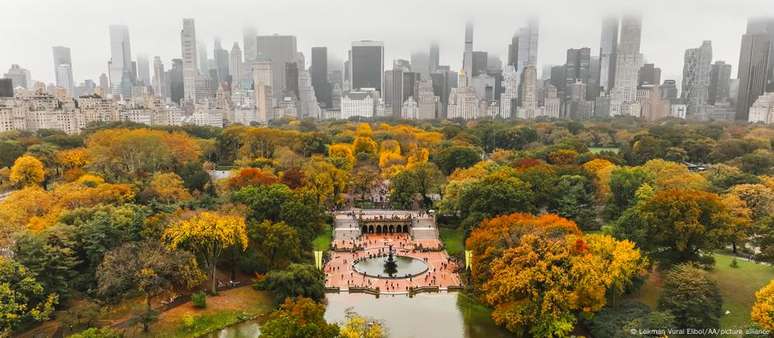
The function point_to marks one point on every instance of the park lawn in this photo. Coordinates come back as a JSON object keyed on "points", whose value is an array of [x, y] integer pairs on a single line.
{"points": [[227, 308], [737, 286], [453, 240], [323, 240]]}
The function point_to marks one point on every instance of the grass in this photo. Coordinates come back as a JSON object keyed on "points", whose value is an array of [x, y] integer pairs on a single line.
{"points": [[453, 240], [227, 308], [323, 240], [737, 286]]}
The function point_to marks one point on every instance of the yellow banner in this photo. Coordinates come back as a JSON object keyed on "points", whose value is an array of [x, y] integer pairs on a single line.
{"points": [[318, 259]]}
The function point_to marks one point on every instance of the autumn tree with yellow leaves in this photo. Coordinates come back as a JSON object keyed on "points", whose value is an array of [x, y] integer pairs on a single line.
{"points": [[763, 309], [27, 171], [208, 234]]}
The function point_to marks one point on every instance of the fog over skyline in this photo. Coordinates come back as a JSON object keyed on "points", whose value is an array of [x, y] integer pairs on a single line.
{"points": [[29, 29]]}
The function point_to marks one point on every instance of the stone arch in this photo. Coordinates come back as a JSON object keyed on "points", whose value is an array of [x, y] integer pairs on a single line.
{"points": [[405, 228], [378, 229], [392, 228], [364, 229]]}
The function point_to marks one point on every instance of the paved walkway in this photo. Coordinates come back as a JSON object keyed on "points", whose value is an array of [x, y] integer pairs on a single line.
{"points": [[339, 271]]}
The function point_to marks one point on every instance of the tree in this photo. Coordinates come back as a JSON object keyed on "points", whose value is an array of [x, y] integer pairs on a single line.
{"points": [[420, 180], [617, 321], [692, 297], [167, 188], [208, 234], [54, 265], [455, 157], [149, 268], [23, 298], [299, 318], [574, 200], [357, 326], [683, 225], [251, 176], [624, 182], [602, 170], [298, 280], [759, 162], [272, 245], [103, 332], [27, 171], [496, 194], [264, 201], [9, 152], [763, 309]]}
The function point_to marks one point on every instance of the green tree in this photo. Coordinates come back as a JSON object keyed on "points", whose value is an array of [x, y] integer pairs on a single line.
{"points": [[575, 200], [299, 318], [691, 297], [147, 267], [420, 181], [496, 195], [9, 152], [455, 157], [624, 183], [298, 280], [22, 298], [54, 265], [103, 332], [272, 246]]}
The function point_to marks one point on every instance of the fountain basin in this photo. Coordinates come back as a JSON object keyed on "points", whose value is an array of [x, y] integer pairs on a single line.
{"points": [[375, 267]]}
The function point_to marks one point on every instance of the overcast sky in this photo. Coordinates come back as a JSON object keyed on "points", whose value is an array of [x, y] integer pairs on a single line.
{"points": [[28, 29]]}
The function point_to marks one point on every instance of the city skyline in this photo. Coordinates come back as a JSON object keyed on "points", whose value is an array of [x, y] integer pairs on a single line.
{"points": [[155, 34]]}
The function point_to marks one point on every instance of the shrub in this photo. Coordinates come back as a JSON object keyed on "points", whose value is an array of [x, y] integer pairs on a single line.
{"points": [[199, 300]]}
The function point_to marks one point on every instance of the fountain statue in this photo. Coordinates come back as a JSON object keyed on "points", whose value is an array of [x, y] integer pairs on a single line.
{"points": [[390, 266]]}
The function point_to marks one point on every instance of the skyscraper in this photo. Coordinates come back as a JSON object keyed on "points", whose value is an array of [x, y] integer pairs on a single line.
{"points": [[63, 69], [696, 78], [467, 57], [420, 63], [513, 51], [20, 77], [435, 57], [528, 44], [480, 60], [6, 87], [279, 49], [578, 66], [262, 82], [143, 70], [203, 59], [720, 82], [120, 57], [528, 92], [753, 70], [235, 66], [607, 49], [177, 81], [319, 73], [158, 77], [765, 25], [220, 56], [190, 73], [628, 61], [104, 84], [649, 74], [250, 37], [367, 65]]}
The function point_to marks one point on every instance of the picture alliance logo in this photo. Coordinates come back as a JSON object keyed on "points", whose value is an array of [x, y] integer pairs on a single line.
{"points": [[700, 332]]}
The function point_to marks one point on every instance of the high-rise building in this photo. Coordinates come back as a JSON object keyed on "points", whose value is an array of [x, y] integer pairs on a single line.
{"points": [[628, 61], [177, 82], [607, 50], [696, 78], [551, 102], [510, 93], [480, 60], [720, 82], [765, 25], [262, 83], [443, 82], [235, 66], [669, 90], [528, 44], [319, 72], [291, 80], [420, 63], [279, 49], [221, 62], [763, 109], [528, 92], [63, 69], [143, 70], [19, 76], [426, 100], [753, 70], [649, 74], [104, 84], [513, 51], [250, 36], [367, 65], [578, 66], [204, 60], [6, 87], [435, 57], [120, 57], [467, 56], [159, 89], [190, 72]]}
